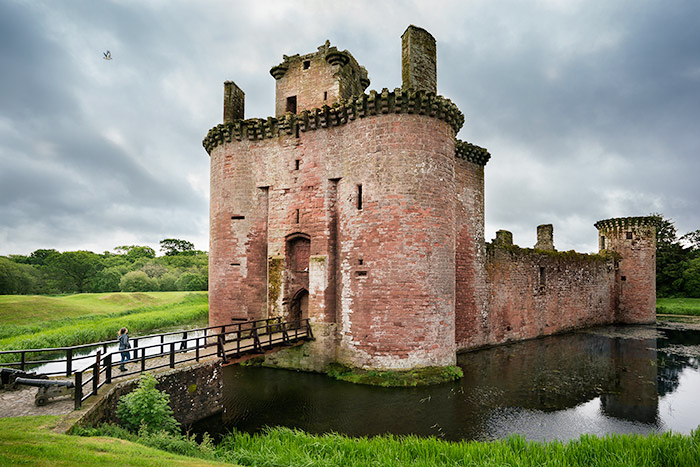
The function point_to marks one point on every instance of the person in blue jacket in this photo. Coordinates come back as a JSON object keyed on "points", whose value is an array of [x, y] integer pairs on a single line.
{"points": [[124, 346]]}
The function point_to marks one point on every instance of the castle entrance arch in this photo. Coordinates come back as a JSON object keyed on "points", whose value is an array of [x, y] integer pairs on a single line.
{"points": [[299, 306], [296, 297]]}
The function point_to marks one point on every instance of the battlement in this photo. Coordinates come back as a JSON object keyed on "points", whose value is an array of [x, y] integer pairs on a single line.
{"points": [[471, 152], [387, 102], [622, 223]]}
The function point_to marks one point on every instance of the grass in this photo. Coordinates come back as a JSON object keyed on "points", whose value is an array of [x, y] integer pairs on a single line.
{"points": [[678, 306], [288, 447], [165, 309], [283, 446], [30, 441], [18, 309]]}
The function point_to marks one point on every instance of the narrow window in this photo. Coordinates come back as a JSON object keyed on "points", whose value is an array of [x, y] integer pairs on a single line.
{"points": [[629, 235], [325, 95], [542, 277], [623, 278], [235, 264], [359, 197], [296, 164], [292, 104], [237, 218], [307, 64], [360, 261], [297, 216], [602, 242]]}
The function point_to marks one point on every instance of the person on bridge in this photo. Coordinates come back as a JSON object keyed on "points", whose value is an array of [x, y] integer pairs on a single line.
{"points": [[124, 346]]}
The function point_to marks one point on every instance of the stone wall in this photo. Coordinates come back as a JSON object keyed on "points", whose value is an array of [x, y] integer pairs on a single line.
{"points": [[195, 393], [534, 293]]}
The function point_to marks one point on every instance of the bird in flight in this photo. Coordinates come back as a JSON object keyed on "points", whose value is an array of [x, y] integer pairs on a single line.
{"points": [[107, 55]]}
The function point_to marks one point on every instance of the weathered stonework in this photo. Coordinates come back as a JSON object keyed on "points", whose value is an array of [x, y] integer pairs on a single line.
{"points": [[362, 212]]}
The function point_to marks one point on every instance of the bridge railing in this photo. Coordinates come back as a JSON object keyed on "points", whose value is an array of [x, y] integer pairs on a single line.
{"points": [[232, 341], [75, 356]]}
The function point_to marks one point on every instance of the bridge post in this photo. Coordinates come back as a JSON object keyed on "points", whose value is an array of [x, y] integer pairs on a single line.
{"points": [[172, 355], [221, 348], [108, 368], [96, 372], [69, 362], [78, 389]]}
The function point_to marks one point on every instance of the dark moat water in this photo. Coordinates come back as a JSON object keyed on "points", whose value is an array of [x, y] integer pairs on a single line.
{"points": [[607, 380]]}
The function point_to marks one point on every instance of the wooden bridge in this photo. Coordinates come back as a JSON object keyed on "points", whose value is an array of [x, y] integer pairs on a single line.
{"points": [[232, 343]]}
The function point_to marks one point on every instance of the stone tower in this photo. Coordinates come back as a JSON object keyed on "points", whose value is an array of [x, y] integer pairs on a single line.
{"points": [[341, 209], [634, 238]]}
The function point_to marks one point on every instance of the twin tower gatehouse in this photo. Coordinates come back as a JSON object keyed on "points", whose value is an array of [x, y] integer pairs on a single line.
{"points": [[361, 211]]}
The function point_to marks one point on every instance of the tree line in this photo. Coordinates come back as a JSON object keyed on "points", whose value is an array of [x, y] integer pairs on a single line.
{"points": [[677, 261], [129, 268]]}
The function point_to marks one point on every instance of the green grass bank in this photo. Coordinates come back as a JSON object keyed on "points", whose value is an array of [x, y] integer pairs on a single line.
{"points": [[30, 441], [678, 306], [86, 318]]}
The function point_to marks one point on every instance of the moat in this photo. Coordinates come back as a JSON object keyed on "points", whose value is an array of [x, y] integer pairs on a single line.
{"points": [[616, 379]]}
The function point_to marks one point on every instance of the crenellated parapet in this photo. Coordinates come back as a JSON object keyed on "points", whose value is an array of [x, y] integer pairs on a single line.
{"points": [[471, 152], [623, 223], [397, 101]]}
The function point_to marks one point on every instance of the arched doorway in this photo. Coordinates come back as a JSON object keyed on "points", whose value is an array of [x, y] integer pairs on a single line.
{"points": [[299, 306], [296, 294]]}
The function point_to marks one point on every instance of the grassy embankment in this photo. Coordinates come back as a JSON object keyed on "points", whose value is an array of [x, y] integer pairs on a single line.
{"points": [[85, 318], [678, 306], [29, 440]]}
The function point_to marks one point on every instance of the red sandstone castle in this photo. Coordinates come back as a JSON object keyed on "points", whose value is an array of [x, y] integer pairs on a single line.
{"points": [[361, 211]]}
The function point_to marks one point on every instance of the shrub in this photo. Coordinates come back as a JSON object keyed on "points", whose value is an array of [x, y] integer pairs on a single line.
{"points": [[147, 408], [192, 281], [137, 281], [168, 282]]}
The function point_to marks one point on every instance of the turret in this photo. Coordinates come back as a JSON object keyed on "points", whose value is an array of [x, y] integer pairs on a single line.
{"points": [[634, 239], [305, 82]]}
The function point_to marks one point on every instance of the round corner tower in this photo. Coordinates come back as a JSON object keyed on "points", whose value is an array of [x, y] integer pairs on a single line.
{"points": [[634, 239], [340, 209]]}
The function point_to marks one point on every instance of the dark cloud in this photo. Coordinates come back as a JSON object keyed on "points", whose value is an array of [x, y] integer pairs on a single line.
{"points": [[588, 108]]}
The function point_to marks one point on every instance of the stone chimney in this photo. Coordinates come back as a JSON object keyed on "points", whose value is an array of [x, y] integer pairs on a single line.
{"points": [[234, 102], [545, 237], [418, 60]]}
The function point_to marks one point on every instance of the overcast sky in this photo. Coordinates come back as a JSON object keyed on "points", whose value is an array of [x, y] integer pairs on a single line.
{"points": [[590, 109]]}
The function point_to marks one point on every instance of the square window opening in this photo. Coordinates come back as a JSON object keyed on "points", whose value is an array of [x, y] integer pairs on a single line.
{"points": [[292, 104], [307, 64]]}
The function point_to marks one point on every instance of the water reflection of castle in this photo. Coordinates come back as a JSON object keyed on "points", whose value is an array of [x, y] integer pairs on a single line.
{"points": [[552, 374]]}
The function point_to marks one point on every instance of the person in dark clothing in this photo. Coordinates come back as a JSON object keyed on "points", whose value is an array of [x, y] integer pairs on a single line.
{"points": [[124, 346]]}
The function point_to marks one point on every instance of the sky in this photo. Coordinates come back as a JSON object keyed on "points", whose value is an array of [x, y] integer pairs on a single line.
{"points": [[590, 109]]}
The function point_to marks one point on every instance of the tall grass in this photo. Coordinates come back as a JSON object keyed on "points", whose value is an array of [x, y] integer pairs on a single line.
{"points": [[85, 330], [287, 447], [678, 306], [283, 446]]}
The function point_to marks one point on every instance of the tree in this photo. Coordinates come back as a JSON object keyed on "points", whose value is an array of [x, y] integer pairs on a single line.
{"points": [[73, 270], [134, 252], [137, 281], [42, 257], [192, 281], [174, 246]]}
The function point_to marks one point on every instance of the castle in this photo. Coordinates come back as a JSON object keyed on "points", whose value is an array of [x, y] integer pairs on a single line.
{"points": [[361, 211]]}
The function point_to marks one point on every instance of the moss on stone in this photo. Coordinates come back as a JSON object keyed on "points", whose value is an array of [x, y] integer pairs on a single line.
{"points": [[275, 267], [570, 255], [424, 376]]}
